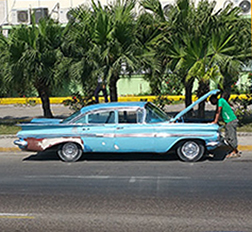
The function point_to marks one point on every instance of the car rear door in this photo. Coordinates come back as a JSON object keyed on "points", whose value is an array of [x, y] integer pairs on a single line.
{"points": [[98, 132]]}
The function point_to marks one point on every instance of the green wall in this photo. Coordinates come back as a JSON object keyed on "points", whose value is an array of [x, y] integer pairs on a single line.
{"points": [[132, 86]]}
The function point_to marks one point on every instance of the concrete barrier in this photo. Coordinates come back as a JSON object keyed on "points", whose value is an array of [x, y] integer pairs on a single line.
{"points": [[60, 100]]}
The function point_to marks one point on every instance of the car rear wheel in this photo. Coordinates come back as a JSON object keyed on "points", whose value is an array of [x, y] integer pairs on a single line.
{"points": [[70, 152], [191, 151]]}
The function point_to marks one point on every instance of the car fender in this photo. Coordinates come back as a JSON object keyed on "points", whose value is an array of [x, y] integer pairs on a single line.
{"points": [[178, 141], [41, 144]]}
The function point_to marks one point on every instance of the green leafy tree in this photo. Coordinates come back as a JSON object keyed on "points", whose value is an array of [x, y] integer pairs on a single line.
{"points": [[172, 29], [149, 35], [33, 54], [201, 45], [100, 42], [3, 64], [80, 54], [117, 44]]}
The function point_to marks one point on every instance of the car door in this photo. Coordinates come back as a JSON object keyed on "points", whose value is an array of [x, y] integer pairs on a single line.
{"points": [[131, 134], [97, 132]]}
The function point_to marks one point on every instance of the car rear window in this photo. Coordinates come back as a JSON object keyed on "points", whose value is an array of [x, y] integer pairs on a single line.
{"points": [[101, 117], [130, 116]]}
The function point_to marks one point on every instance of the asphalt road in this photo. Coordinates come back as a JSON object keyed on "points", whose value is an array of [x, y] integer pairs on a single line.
{"points": [[126, 192]]}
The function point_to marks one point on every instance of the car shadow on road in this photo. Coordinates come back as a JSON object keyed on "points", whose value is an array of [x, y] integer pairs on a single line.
{"points": [[129, 157], [42, 156], [218, 154], [51, 155]]}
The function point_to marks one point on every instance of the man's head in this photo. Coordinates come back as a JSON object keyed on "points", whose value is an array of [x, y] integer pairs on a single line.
{"points": [[213, 99]]}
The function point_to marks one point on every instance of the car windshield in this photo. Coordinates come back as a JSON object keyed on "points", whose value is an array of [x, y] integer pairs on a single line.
{"points": [[154, 114], [71, 117]]}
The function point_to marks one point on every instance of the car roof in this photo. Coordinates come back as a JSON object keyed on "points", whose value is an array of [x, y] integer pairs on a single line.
{"points": [[112, 105]]}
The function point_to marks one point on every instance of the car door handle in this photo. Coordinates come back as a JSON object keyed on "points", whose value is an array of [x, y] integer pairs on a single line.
{"points": [[119, 128], [85, 129]]}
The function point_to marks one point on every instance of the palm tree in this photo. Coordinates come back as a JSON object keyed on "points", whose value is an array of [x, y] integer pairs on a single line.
{"points": [[231, 45], [100, 41], [170, 43], [80, 54], [214, 47], [202, 45], [149, 34], [33, 54], [222, 54], [3, 63], [117, 43]]}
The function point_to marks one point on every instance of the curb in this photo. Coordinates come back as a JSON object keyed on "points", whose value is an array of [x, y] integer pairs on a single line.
{"points": [[60, 100], [245, 147], [8, 136], [9, 149], [244, 134]]}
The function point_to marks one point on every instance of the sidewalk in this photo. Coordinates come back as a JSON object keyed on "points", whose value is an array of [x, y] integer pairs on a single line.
{"points": [[28, 112], [23, 112]]}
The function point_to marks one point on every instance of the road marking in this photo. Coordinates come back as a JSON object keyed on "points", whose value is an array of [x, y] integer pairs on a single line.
{"points": [[131, 178], [16, 216]]}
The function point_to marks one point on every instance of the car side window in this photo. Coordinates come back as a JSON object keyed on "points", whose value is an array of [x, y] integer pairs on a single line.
{"points": [[101, 117], [130, 116], [152, 116], [81, 120]]}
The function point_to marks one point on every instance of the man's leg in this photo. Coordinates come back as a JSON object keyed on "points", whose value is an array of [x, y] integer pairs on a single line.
{"points": [[231, 136], [96, 93], [105, 94]]}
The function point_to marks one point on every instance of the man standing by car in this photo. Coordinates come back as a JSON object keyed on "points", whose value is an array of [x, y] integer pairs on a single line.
{"points": [[231, 122]]}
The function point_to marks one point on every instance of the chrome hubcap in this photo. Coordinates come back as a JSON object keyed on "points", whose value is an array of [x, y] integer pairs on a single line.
{"points": [[70, 150], [190, 150]]}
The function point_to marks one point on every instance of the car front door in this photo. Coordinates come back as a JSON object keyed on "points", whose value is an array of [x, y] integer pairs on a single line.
{"points": [[131, 134]]}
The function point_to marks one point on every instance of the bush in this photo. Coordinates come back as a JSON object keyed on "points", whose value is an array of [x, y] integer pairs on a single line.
{"points": [[78, 101], [161, 101], [241, 108]]}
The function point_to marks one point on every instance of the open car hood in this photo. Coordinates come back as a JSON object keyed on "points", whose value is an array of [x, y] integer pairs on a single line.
{"points": [[203, 98]]}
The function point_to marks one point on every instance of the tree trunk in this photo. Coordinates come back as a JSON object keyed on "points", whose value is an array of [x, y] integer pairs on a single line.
{"points": [[227, 83], [113, 89], [155, 87], [43, 94], [188, 92], [202, 90]]}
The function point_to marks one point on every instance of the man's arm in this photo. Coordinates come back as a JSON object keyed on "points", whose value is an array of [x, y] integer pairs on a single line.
{"points": [[217, 115]]}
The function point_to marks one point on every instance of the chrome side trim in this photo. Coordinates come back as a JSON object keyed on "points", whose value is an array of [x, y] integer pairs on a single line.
{"points": [[112, 135], [137, 135], [182, 135], [149, 135], [101, 135]]}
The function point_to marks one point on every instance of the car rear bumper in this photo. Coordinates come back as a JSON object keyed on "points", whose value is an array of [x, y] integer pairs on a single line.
{"points": [[22, 144]]}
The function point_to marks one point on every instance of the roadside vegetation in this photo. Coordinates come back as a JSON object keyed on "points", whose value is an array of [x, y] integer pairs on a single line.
{"points": [[172, 48], [9, 129]]}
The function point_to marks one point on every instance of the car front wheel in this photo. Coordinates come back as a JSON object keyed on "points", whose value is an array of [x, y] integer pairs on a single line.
{"points": [[191, 151], [70, 152]]}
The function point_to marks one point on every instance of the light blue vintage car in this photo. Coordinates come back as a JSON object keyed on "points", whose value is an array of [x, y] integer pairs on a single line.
{"points": [[121, 127]]}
